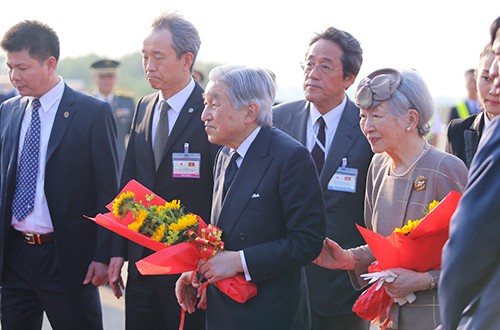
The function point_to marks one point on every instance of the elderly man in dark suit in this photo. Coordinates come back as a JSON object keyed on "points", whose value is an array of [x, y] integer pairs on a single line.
{"points": [[470, 276], [169, 153], [340, 149], [267, 201], [58, 163]]}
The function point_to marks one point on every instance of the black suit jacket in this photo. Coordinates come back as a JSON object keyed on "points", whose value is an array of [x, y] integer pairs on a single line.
{"points": [[80, 177], [470, 274], [331, 292], [464, 135], [194, 194], [274, 212]]}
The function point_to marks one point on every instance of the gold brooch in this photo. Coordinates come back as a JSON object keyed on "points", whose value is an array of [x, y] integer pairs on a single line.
{"points": [[419, 183]]}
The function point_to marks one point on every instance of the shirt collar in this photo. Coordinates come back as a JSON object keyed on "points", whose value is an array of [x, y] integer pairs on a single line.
{"points": [[54, 95], [178, 100], [245, 145], [487, 121], [331, 116]]}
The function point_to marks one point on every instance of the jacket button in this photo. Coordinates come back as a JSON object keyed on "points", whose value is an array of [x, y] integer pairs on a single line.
{"points": [[243, 236]]}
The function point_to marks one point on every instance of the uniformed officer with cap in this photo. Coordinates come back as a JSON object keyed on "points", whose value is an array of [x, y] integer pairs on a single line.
{"points": [[105, 73]]}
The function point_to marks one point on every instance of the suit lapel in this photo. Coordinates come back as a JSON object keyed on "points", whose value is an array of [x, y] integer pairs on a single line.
{"points": [[245, 184], [472, 136], [14, 131], [64, 115], [146, 126], [298, 123], [346, 134]]}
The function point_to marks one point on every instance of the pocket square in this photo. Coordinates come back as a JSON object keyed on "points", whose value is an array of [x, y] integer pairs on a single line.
{"points": [[255, 195]]}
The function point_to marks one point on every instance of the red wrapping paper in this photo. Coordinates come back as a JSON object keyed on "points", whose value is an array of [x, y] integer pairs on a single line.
{"points": [[173, 259], [420, 251]]}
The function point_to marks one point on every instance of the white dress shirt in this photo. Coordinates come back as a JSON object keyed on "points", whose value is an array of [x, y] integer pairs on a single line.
{"points": [[332, 119], [39, 220], [176, 102]]}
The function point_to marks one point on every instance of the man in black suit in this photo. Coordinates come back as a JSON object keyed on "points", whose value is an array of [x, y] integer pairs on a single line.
{"points": [[470, 276], [167, 137], [58, 163], [330, 67], [271, 215], [464, 134]]}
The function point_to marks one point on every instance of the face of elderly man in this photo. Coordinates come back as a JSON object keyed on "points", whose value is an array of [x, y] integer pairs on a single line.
{"points": [[223, 123]]}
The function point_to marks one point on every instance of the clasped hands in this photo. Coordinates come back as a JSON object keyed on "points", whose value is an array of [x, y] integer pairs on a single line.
{"points": [[189, 288]]}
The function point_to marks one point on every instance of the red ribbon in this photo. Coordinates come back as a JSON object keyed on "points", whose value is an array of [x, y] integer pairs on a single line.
{"points": [[209, 242]]}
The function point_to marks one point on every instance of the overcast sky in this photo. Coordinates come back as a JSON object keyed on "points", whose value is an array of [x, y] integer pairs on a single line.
{"points": [[439, 38]]}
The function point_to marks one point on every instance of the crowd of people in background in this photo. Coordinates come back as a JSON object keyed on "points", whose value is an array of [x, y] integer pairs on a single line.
{"points": [[287, 183]]}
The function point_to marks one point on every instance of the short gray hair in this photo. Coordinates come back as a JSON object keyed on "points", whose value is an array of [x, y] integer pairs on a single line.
{"points": [[185, 37], [413, 93], [248, 85]]}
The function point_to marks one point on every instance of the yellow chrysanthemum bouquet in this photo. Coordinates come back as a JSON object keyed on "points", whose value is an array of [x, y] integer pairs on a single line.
{"points": [[180, 238], [416, 245], [167, 223]]}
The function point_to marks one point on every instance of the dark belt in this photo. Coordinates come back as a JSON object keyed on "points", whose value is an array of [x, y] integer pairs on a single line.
{"points": [[35, 239]]}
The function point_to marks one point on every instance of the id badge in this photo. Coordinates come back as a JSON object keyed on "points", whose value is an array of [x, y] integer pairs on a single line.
{"points": [[186, 165], [344, 180]]}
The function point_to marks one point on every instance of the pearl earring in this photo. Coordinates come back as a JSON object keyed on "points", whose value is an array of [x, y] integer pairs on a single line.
{"points": [[408, 128]]}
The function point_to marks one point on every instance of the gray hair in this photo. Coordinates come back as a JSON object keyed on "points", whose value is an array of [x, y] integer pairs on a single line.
{"points": [[413, 93], [185, 37], [248, 85]]}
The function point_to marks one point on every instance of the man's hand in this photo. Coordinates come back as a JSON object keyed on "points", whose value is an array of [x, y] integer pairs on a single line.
{"points": [[223, 265], [115, 277], [97, 273], [186, 291]]}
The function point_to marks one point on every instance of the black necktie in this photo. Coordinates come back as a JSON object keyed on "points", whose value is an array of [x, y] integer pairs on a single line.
{"points": [[161, 135], [230, 173], [317, 153]]}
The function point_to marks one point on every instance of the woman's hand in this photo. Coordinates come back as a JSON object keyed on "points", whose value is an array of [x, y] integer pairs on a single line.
{"points": [[332, 256], [406, 282]]}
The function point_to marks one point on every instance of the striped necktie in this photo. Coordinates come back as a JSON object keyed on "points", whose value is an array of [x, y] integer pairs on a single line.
{"points": [[317, 153]]}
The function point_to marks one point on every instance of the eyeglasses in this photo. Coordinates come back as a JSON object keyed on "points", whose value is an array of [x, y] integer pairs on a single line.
{"points": [[325, 69]]}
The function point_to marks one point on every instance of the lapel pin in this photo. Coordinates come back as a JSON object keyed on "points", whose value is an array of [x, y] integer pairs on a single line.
{"points": [[190, 110], [419, 183], [66, 114]]}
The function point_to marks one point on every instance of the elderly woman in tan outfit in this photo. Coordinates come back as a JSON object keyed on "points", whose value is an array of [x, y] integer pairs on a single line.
{"points": [[405, 175]]}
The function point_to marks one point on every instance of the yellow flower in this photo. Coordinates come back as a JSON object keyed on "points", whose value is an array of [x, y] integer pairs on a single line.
{"points": [[123, 204], [160, 209], [163, 223], [173, 205], [159, 233], [432, 205], [406, 229], [184, 222], [139, 220]]}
